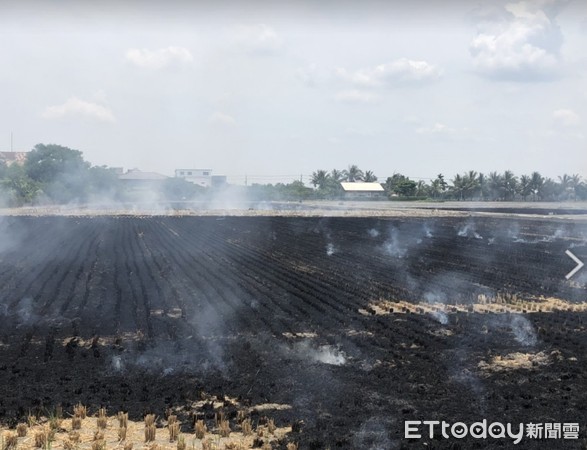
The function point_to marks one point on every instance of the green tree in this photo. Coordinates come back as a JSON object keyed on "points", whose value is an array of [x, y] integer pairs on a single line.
{"points": [[525, 186], [510, 183], [297, 190], [483, 186], [400, 185], [568, 185], [61, 171], [20, 187], [46, 163], [438, 186], [470, 184], [581, 191], [333, 189], [369, 177], [458, 187], [495, 186], [422, 189], [537, 185], [575, 184], [103, 181], [320, 179], [336, 176], [353, 173], [551, 190]]}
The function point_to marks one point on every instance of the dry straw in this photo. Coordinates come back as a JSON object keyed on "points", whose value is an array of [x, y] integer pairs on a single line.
{"points": [[10, 441], [173, 431], [76, 423], [22, 429], [122, 419], [102, 419], [122, 434], [201, 429], [181, 445], [150, 433], [80, 411]]}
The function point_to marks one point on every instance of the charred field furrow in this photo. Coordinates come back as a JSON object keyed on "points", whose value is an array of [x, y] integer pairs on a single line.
{"points": [[338, 318]]}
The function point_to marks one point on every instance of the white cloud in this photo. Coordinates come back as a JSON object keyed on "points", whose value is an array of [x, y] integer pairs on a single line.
{"points": [[260, 38], [400, 71], [437, 128], [158, 59], [219, 118], [523, 45], [566, 117], [355, 96], [77, 107]]}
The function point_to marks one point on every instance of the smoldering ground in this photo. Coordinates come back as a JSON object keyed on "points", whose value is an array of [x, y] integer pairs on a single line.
{"points": [[218, 296]]}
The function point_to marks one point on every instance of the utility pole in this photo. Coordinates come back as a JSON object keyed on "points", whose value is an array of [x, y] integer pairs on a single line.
{"points": [[246, 181], [11, 148]]}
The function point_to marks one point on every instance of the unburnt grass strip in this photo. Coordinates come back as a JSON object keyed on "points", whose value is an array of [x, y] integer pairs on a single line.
{"points": [[219, 434]]}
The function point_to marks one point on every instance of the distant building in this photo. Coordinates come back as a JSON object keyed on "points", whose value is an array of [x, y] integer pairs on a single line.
{"points": [[10, 158], [138, 179], [360, 190], [201, 177], [142, 187]]}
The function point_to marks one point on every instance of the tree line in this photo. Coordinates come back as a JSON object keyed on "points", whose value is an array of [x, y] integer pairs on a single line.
{"points": [[470, 185], [60, 175]]}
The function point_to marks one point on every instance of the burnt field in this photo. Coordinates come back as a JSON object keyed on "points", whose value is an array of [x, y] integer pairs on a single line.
{"points": [[352, 325]]}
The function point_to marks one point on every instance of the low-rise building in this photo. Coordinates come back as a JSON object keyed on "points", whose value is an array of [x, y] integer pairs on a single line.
{"points": [[136, 178], [142, 187], [361, 190], [201, 177]]}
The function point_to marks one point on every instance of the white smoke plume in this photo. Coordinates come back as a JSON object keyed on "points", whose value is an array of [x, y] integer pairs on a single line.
{"points": [[373, 232], [468, 230], [523, 330], [393, 245], [325, 354]]}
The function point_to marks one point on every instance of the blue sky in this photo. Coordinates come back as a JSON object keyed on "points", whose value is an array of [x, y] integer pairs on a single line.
{"points": [[278, 91]]}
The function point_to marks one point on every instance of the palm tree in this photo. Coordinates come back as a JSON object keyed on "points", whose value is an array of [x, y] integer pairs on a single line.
{"points": [[495, 186], [334, 189], [320, 179], [575, 184], [458, 186], [336, 176], [353, 173], [510, 181], [438, 186], [550, 189], [422, 189], [369, 177], [525, 186], [482, 181], [470, 184], [566, 183], [537, 184]]}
